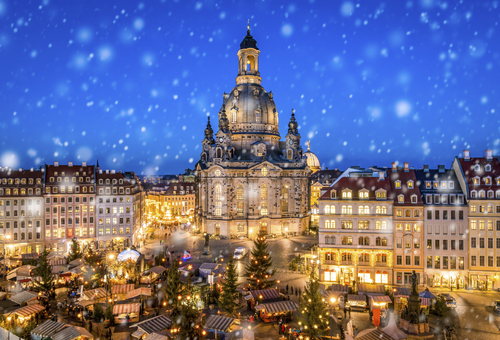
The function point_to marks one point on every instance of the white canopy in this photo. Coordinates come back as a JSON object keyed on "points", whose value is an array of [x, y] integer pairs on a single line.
{"points": [[392, 330]]}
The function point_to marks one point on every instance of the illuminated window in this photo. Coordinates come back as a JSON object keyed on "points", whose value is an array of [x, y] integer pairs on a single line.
{"points": [[263, 199], [264, 171], [397, 184], [218, 200]]}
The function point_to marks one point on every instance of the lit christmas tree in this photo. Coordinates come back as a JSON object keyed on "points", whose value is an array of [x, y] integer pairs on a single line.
{"points": [[258, 272]]}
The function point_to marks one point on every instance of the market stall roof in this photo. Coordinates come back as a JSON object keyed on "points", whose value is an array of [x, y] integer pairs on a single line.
{"points": [[425, 301], [339, 288], [94, 294], [48, 328], [156, 336], [69, 333], [373, 334], [28, 310], [353, 297], [84, 333], [157, 270], [128, 254], [381, 298], [209, 266], [85, 303], [23, 297], [370, 289], [277, 307], [122, 289], [219, 323], [401, 292], [138, 333], [126, 308], [57, 262], [76, 262], [156, 324], [3, 295], [138, 292], [32, 256], [427, 294], [392, 329], [267, 294]]}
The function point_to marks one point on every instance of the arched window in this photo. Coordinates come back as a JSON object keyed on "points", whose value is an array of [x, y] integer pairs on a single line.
{"points": [[257, 117], [263, 199], [23, 224], [234, 116], [239, 200], [327, 209], [377, 210], [344, 209], [384, 210], [377, 225], [367, 209], [360, 240], [328, 256], [378, 241], [332, 209], [218, 153], [367, 241], [384, 225], [289, 154], [332, 240], [30, 235], [327, 224], [360, 210], [284, 199], [384, 241], [327, 240], [349, 210], [218, 200]]}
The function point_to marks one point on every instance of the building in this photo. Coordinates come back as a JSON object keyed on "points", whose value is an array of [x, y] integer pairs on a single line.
{"points": [[445, 224], [176, 200], [320, 181], [249, 180], [408, 213], [312, 160], [69, 205], [115, 209], [356, 230], [21, 211], [479, 179]]}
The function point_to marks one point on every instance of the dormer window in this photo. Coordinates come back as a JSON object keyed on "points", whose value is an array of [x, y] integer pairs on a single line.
{"points": [[451, 185], [477, 167], [346, 194], [401, 199], [487, 167], [381, 195], [497, 180], [487, 181], [413, 198], [363, 194], [490, 194], [410, 184], [473, 194], [476, 181], [333, 194], [436, 185], [397, 184], [428, 185], [481, 194], [443, 185]]}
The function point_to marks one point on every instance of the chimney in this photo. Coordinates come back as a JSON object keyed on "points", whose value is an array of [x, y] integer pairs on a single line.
{"points": [[100, 171], [466, 155], [426, 168], [56, 163], [489, 154], [31, 170], [120, 171], [440, 168], [84, 164], [381, 176], [394, 166], [107, 172], [20, 169], [70, 163], [406, 166], [113, 171], [326, 168]]}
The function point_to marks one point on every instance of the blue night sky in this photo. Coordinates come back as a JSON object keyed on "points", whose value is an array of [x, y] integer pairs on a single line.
{"points": [[130, 82]]}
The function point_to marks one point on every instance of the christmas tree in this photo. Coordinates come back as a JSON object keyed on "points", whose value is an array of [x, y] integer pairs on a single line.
{"points": [[314, 311], [189, 323], [229, 290], [258, 272], [173, 288], [76, 251], [44, 271]]}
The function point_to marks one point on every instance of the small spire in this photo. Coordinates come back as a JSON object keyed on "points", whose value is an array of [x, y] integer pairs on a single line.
{"points": [[308, 145], [248, 26], [223, 121]]}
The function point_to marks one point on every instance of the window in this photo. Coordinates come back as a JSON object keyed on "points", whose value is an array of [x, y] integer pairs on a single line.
{"points": [[460, 244], [473, 260], [399, 226], [436, 244], [263, 199], [416, 243], [490, 242], [437, 262], [452, 214], [429, 244], [346, 194], [436, 214], [399, 213], [218, 200], [452, 245], [407, 213], [401, 199], [473, 224], [327, 209], [380, 195], [481, 261], [429, 262], [416, 213], [408, 260], [481, 242], [429, 214], [264, 171], [445, 262], [473, 242]]}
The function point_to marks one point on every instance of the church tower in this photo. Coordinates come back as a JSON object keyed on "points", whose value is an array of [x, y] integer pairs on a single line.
{"points": [[249, 181]]}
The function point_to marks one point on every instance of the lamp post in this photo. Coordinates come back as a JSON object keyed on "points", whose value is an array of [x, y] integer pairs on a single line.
{"points": [[110, 256], [332, 301], [4, 262]]}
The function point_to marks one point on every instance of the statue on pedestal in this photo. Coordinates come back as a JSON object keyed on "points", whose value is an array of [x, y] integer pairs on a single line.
{"points": [[206, 247]]}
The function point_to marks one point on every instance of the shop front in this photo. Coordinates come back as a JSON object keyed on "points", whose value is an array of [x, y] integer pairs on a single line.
{"points": [[448, 280], [274, 311], [483, 282]]}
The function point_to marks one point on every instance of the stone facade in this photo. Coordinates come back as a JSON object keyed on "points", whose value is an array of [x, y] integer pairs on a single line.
{"points": [[249, 181]]}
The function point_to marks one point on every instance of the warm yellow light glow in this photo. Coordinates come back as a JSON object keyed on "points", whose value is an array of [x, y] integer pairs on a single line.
{"points": [[332, 300]]}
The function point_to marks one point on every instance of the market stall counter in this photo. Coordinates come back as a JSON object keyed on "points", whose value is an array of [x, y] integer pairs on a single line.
{"points": [[273, 311]]}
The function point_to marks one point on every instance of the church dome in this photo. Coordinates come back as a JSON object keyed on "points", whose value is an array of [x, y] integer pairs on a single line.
{"points": [[312, 160], [250, 108]]}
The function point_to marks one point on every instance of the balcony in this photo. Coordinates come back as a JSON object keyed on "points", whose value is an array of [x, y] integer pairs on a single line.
{"points": [[381, 264], [331, 262], [346, 263], [364, 263]]}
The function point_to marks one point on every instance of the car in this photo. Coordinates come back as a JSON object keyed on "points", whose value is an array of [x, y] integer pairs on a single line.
{"points": [[450, 300], [186, 256], [496, 306], [240, 253]]}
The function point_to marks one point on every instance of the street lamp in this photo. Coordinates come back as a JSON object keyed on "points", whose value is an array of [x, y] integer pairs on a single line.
{"points": [[4, 262], [332, 301]]}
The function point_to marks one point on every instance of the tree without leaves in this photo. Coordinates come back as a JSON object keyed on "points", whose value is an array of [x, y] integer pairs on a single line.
{"points": [[313, 307], [258, 272], [229, 289], [44, 271], [76, 251]]}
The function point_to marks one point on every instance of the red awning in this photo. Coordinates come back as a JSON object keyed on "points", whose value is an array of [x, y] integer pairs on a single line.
{"points": [[68, 274], [122, 289], [126, 308], [24, 280], [29, 310]]}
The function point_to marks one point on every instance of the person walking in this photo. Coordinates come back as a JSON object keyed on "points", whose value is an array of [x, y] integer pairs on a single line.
{"points": [[345, 312], [291, 289], [287, 289], [349, 312]]}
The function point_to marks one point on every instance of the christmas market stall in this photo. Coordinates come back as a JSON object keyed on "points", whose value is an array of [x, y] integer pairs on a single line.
{"points": [[401, 296], [379, 306], [273, 311], [125, 313], [119, 291], [255, 297], [25, 313], [156, 324], [357, 302], [220, 325]]}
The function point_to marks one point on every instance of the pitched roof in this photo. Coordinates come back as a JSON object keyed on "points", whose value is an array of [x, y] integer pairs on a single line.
{"points": [[156, 324], [469, 173], [404, 177], [434, 175], [372, 184], [219, 323], [48, 328], [23, 297], [69, 333]]}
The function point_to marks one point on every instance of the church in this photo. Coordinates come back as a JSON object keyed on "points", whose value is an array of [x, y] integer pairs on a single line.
{"points": [[249, 180]]}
